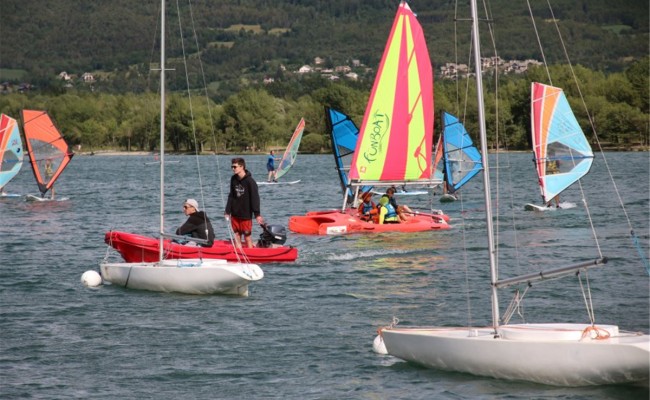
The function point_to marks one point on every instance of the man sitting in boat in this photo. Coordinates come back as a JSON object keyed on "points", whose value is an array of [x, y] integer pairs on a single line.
{"points": [[197, 225], [387, 213], [368, 208], [401, 210]]}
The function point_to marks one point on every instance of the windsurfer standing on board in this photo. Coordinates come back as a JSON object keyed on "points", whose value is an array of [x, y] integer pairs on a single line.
{"points": [[243, 203], [270, 166], [553, 167], [49, 174]]}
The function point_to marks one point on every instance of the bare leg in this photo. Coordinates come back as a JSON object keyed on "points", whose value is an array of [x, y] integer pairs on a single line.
{"points": [[249, 241], [237, 241]]}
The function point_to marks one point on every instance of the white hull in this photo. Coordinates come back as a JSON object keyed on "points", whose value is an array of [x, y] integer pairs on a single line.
{"points": [[184, 276], [551, 354]]}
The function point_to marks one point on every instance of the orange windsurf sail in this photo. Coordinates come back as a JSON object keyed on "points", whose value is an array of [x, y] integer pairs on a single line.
{"points": [[48, 152]]}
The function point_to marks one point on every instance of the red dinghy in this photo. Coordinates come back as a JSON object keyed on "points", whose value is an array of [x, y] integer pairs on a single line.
{"points": [[334, 222], [138, 248]]}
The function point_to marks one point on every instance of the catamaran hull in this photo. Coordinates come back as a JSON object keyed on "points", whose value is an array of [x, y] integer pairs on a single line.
{"points": [[551, 354], [138, 248], [184, 276], [338, 223]]}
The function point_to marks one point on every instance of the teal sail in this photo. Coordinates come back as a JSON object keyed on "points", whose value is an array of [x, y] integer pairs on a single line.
{"points": [[344, 134], [462, 160], [290, 154], [11, 150]]}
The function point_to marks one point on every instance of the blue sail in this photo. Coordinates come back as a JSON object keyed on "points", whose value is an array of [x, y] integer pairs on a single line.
{"points": [[11, 150], [344, 134], [462, 159]]}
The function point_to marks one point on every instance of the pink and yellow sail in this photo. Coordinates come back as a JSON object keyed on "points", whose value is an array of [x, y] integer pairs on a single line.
{"points": [[396, 136]]}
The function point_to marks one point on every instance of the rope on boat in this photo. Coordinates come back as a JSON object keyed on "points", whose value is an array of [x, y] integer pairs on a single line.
{"points": [[393, 323], [595, 333], [643, 257], [241, 257]]}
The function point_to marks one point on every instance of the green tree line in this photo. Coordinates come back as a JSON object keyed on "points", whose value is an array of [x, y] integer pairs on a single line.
{"points": [[617, 105]]}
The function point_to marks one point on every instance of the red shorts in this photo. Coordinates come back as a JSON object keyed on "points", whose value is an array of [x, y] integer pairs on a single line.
{"points": [[241, 226]]}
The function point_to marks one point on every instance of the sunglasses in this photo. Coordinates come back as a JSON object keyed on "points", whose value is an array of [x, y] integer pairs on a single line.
{"points": [[234, 166], [186, 207]]}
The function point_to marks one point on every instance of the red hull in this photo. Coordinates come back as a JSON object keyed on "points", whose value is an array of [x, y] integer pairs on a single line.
{"points": [[331, 222], [138, 248]]}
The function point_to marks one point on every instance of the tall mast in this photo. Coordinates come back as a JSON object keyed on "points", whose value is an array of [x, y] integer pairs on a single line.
{"points": [[476, 43], [162, 127]]}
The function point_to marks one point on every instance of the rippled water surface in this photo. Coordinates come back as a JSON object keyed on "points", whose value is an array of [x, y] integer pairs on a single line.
{"points": [[306, 331]]}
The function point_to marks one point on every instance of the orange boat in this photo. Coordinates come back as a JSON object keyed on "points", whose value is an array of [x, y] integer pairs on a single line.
{"points": [[335, 222], [394, 144]]}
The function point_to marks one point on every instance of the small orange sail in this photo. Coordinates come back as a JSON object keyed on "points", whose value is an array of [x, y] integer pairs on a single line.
{"points": [[396, 136], [48, 152]]}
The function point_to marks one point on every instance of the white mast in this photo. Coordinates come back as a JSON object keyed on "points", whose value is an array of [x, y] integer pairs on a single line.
{"points": [[162, 127], [486, 168]]}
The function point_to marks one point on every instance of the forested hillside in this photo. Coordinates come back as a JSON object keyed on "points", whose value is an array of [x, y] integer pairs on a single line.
{"points": [[244, 40], [250, 51]]}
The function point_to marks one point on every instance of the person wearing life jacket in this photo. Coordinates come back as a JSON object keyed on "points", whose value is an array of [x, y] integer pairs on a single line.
{"points": [[387, 213], [367, 209], [400, 210]]}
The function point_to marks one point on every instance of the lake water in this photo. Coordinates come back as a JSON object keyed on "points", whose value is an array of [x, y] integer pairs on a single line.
{"points": [[306, 331]]}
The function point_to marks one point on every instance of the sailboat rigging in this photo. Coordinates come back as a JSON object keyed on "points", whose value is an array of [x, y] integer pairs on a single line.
{"points": [[191, 276], [11, 152], [563, 354], [394, 144], [140, 248]]}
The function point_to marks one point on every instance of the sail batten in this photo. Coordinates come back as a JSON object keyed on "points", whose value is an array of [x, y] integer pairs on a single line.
{"points": [[396, 136], [48, 152], [562, 154]]}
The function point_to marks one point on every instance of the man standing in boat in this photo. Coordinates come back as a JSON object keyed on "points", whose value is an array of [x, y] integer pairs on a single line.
{"points": [[243, 203]]}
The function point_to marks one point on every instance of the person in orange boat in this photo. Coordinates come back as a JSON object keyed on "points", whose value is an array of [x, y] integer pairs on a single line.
{"points": [[368, 208], [400, 210], [387, 213]]}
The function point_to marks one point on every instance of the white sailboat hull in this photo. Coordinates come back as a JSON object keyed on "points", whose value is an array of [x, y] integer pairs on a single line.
{"points": [[551, 354], [184, 276]]}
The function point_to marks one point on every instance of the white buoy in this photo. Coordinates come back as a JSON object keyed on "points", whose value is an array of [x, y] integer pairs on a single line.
{"points": [[91, 279], [378, 345]]}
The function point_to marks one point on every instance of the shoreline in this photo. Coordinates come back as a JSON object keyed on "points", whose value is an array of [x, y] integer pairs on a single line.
{"points": [[153, 154]]}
